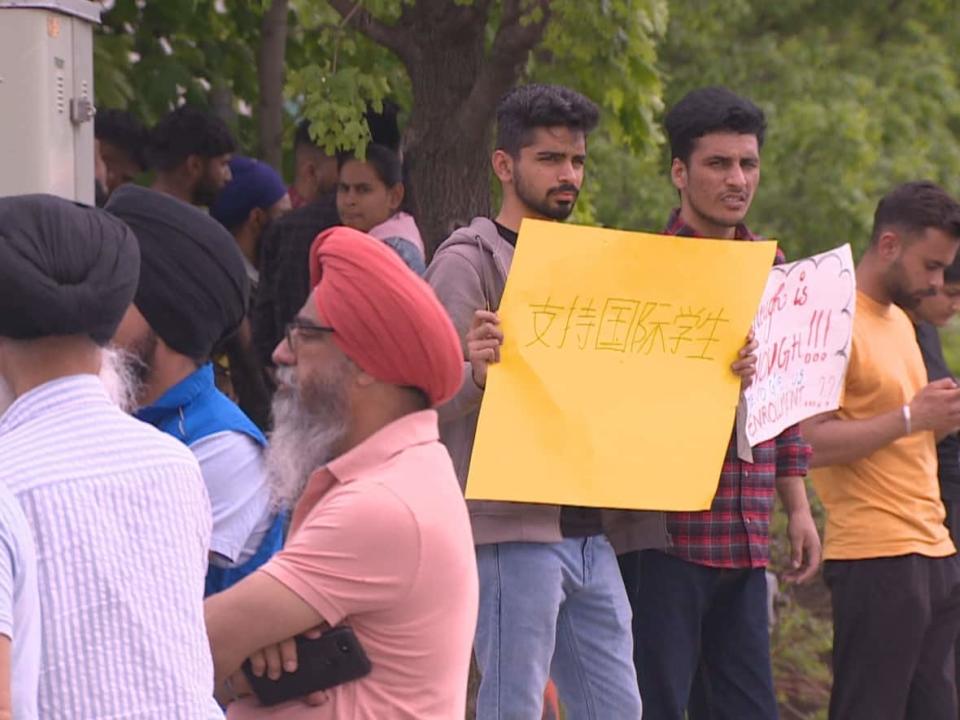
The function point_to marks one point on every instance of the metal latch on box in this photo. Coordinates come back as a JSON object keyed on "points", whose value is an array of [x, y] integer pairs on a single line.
{"points": [[81, 110]]}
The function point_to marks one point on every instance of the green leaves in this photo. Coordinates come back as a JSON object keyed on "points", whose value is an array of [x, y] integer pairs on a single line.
{"points": [[335, 101], [608, 51]]}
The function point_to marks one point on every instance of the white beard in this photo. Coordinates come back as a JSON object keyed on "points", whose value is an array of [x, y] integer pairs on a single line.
{"points": [[120, 378], [302, 440]]}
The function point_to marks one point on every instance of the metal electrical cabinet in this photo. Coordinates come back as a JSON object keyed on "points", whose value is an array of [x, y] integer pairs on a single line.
{"points": [[46, 98]]}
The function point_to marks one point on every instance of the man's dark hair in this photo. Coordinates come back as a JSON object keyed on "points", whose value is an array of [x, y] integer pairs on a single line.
{"points": [[302, 137], [528, 107], [124, 131], [188, 131], [951, 273], [914, 207], [709, 110]]}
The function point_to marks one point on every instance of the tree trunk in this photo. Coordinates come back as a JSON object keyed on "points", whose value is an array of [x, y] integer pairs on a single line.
{"points": [[270, 64], [456, 84], [449, 166]]}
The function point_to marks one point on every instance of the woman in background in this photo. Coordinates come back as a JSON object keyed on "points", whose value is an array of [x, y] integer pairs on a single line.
{"points": [[370, 196]]}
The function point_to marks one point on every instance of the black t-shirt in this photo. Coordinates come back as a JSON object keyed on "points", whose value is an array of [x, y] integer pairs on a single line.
{"points": [[574, 521], [948, 449], [506, 233]]}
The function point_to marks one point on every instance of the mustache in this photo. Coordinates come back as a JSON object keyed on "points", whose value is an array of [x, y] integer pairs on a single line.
{"points": [[565, 188]]}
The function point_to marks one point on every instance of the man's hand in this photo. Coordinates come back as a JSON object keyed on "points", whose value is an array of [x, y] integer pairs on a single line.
{"points": [[805, 548], [936, 407], [483, 344], [275, 660], [745, 367]]}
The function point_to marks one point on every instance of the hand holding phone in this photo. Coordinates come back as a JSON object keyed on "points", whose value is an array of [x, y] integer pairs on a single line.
{"points": [[334, 658]]}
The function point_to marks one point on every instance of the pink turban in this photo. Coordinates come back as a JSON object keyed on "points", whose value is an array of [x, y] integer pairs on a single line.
{"points": [[385, 318]]}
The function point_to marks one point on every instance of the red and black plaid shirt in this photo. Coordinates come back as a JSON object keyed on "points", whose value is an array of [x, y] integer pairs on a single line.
{"points": [[735, 531]]}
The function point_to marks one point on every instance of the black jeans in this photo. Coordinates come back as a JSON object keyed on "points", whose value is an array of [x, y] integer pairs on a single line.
{"points": [[953, 525], [693, 621], [895, 625]]}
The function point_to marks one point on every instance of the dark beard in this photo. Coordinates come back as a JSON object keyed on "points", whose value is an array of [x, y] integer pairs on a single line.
{"points": [[898, 291], [205, 193], [542, 206]]}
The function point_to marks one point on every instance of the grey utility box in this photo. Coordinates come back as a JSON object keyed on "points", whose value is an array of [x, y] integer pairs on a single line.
{"points": [[46, 98]]}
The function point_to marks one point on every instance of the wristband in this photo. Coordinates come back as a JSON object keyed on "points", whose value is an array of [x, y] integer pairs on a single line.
{"points": [[906, 418]]}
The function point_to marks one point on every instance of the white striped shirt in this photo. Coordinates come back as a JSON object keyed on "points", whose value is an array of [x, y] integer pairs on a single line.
{"points": [[122, 525]]}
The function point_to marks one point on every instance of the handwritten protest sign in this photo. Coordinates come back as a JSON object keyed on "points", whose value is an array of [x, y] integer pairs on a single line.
{"points": [[615, 387], [804, 327]]}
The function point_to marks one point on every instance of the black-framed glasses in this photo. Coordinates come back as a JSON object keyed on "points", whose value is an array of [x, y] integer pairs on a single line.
{"points": [[299, 326]]}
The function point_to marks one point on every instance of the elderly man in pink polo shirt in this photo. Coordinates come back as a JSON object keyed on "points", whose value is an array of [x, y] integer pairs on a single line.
{"points": [[380, 539]]}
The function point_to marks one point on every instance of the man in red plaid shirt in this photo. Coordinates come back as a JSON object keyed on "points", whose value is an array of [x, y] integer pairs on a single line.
{"points": [[703, 601]]}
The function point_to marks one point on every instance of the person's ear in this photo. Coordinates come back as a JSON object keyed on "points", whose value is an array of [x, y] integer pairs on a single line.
{"points": [[312, 173], [502, 163], [195, 166], [257, 219], [889, 245], [679, 174]]}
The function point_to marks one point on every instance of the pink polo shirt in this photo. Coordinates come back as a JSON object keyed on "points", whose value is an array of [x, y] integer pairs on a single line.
{"points": [[381, 540]]}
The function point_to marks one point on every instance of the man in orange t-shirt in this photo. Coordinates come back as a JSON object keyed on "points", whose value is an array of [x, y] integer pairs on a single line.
{"points": [[891, 567], [380, 539]]}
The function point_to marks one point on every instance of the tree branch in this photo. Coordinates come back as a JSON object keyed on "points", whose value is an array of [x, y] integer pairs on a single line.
{"points": [[391, 37], [511, 46]]}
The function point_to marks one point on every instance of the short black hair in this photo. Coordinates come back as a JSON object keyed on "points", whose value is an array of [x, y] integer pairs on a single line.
{"points": [[186, 131], [914, 207], [302, 136], [385, 162], [951, 273], [123, 130], [528, 107], [708, 110]]}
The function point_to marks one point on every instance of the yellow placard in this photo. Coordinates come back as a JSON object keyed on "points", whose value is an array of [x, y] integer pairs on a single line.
{"points": [[614, 387]]}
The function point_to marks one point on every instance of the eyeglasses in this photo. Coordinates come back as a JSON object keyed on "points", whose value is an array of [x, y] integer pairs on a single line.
{"points": [[298, 326]]}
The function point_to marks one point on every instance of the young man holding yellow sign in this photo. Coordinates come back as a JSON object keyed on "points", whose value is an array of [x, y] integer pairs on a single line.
{"points": [[702, 602], [551, 600]]}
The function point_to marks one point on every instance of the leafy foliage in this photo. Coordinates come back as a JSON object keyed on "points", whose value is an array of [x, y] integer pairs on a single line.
{"points": [[859, 96]]}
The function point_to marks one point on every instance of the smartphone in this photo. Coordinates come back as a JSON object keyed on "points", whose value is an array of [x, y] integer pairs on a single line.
{"points": [[334, 658]]}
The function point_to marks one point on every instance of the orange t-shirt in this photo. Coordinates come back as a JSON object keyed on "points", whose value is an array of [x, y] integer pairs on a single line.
{"points": [[381, 540], [888, 503]]}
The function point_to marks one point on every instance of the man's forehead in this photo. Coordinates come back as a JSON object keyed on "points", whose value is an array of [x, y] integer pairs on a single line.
{"points": [[727, 143], [557, 139]]}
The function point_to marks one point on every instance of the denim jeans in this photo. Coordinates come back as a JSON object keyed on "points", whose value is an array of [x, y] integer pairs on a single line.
{"points": [[554, 610], [702, 640]]}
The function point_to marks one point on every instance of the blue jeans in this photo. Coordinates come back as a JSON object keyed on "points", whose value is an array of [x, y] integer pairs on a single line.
{"points": [[554, 610], [710, 623]]}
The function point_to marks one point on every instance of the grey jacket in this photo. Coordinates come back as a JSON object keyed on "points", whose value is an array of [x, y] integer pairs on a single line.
{"points": [[468, 273]]}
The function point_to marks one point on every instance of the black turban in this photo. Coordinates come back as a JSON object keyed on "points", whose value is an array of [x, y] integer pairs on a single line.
{"points": [[193, 284], [65, 269]]}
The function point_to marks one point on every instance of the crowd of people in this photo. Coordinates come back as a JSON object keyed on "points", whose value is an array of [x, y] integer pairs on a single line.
{"points": [[236, 418]]}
